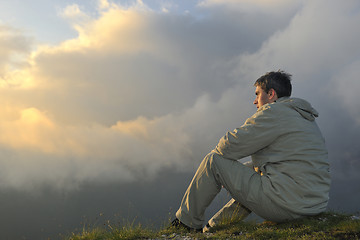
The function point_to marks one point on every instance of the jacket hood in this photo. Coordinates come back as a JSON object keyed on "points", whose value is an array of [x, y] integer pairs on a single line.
{"points": [[301, 106]]}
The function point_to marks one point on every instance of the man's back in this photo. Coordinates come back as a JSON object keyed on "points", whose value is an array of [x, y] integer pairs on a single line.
{"points": [[294, 165]]}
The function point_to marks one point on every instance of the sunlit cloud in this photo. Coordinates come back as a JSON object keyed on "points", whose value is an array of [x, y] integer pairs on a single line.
{"points": [[88, 152], [27, 131], [138, 91]]}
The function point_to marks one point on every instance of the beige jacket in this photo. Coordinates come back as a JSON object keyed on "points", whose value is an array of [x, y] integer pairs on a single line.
{"points": [[287, 147]]}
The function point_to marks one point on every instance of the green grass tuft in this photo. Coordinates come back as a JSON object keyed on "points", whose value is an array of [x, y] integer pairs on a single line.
{"points": [[327, 225]]}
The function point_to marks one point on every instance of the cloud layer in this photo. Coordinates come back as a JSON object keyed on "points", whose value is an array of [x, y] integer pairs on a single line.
{"points": [[140, 90]]}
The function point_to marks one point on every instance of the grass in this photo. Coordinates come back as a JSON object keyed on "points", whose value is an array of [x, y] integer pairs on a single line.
{"points": [[327, 225]]}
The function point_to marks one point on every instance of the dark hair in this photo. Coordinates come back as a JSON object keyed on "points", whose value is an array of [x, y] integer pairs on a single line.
{"points": [[280, 81]]}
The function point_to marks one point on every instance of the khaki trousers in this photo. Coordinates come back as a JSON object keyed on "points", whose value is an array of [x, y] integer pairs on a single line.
{"points": [[243, 184]]}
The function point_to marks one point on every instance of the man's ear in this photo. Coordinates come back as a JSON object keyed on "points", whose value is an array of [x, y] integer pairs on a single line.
{"points": [[272, 94]]}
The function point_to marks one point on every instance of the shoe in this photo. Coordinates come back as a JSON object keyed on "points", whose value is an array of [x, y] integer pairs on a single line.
{"points": [[178, 224], [206, 228]]}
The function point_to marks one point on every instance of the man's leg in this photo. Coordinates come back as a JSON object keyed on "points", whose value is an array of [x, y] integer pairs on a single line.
{"points": [[200, 193], [207, 183], [232, 210], [243, 184]]}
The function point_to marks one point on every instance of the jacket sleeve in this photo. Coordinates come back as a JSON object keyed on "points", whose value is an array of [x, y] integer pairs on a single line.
{"points": [[257, 133]]}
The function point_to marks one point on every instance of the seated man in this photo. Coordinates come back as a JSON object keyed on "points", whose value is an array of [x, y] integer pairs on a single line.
{"points": [[289, 177]]}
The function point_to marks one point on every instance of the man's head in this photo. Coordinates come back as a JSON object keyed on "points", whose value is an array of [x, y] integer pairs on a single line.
{"points": [[271, 86]]}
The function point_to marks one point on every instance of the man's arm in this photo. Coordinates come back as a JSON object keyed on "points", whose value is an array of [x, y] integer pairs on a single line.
{"points": [[258, 132]]}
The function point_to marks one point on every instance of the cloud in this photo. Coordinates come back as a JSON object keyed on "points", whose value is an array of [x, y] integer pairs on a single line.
{"points": [[316, 55], [139, 91], [73, 11], [65, 156], [13, 47], [324, 64], [346, 88], [248, 6]]}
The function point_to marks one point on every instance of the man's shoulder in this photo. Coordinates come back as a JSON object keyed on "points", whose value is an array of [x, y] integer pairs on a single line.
{"points": [[274, 107], [280, 110], [286, 103], [270, 113]]}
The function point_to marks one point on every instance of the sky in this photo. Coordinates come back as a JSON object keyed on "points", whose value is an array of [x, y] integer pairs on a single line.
{"points": [[103, 102]]}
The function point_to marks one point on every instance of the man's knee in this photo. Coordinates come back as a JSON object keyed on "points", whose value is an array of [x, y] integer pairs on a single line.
{"points": [[213, 159]]}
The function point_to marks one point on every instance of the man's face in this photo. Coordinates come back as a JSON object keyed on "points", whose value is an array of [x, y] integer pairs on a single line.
{"points": [[262, 97]]}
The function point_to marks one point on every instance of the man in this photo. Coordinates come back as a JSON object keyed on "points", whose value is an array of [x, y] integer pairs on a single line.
{"points": [[288, 176]]}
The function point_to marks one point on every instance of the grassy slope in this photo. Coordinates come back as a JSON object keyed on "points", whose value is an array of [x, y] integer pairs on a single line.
{"points": [[324, 226]]}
